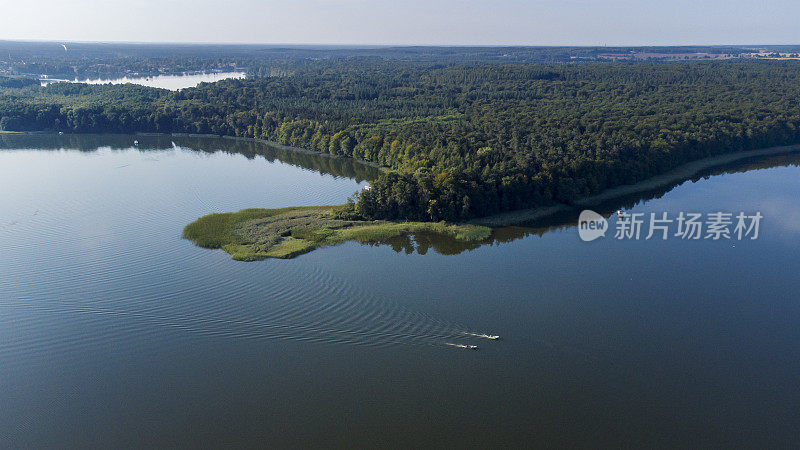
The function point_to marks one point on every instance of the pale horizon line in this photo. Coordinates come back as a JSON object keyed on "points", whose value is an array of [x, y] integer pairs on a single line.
{"points": [[389, 45]]}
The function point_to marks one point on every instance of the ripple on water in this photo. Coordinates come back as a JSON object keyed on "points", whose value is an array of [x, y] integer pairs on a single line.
{"points": [[107, 265]]}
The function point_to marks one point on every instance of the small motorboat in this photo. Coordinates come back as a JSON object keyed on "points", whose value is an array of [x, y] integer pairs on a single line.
{"points": [[468, 347], [135, 142], [493, 337], [620, 214]]}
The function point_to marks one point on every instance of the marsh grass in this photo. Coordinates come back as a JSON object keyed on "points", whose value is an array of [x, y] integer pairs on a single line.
{"points": [[254, 234]]}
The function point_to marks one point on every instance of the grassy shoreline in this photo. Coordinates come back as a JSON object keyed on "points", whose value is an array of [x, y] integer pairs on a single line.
{"points": [[257, 234], [219, 232]]}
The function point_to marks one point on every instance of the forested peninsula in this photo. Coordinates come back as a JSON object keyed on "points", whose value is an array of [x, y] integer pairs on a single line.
{"points": [[461, 141]]}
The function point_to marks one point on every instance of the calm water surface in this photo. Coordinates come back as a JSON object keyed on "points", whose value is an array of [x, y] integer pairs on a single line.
{"points": [[114, 331], [171, 82]]}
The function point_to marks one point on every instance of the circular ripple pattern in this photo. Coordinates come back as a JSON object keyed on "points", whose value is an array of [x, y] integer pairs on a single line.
{"points": [[91, 253]]}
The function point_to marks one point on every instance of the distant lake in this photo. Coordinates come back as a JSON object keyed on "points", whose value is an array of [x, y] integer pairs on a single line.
{"points": [[116, 332], [171, 82]]}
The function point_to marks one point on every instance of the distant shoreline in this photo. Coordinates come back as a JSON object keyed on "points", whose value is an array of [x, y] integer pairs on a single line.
{"points": [[679, 174], [132, 78], [214, 136], [270, 143]]}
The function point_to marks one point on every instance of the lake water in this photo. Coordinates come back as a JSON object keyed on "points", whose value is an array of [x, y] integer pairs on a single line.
{"points": [[171, 82], [116, 332]]}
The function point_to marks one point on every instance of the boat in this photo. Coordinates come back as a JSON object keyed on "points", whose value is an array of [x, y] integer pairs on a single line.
{"points": [[135, 142], [468, 347], [493, 337], [620, 214]]}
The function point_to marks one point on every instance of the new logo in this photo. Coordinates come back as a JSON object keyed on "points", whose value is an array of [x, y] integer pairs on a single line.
{"points": [[591, 225]]}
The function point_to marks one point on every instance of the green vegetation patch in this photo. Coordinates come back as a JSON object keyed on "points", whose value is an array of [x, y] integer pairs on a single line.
{"points": [[255, 234]]}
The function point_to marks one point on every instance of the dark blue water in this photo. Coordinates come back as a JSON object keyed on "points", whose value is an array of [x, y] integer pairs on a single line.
{"points": [[114, 331]]}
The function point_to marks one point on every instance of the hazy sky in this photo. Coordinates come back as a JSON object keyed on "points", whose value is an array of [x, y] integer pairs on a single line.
{"points": [[464, 22]]}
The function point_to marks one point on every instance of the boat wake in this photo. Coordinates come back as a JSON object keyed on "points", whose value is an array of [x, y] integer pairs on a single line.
{"points": [[327, 310], [492, 337], [90, 262], [465, 346]]}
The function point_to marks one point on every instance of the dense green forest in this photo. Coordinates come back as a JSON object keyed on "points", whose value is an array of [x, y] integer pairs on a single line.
{"points": [[464, 140]]}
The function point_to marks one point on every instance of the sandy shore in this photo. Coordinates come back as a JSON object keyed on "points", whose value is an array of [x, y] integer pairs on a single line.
{"points": [[677, 175]]}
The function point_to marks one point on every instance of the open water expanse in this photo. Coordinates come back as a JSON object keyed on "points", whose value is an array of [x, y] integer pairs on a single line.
{"points": [[116, 332]]}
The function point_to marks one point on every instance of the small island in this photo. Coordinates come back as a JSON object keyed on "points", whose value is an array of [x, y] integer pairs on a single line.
{"points": [[256, 234]]}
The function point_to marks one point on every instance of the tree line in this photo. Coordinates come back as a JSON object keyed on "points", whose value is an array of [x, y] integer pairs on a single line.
{"points": [[464, 140]]}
